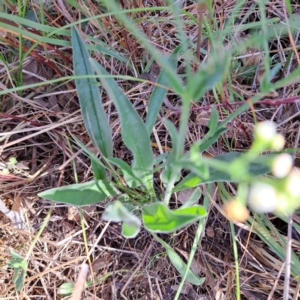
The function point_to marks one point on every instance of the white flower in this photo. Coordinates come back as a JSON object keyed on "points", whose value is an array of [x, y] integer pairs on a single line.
{"points": [[265, 131], [262, 197], [278, 142], [282, 165], [282, 205], [293, 183]]}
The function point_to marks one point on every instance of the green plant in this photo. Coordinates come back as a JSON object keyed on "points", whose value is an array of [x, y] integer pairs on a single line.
{"points": [[132, 185], [137, 196]]}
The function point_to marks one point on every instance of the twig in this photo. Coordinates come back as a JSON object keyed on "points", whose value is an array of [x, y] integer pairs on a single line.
{"points": [[80, 282], [270, 297]]}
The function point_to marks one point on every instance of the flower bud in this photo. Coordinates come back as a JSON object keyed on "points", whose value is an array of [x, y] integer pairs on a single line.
{"points": [[265, 131], [293, 183], [262, 197], [278, 142], [236, 211], [282, 204], [282, 165]]}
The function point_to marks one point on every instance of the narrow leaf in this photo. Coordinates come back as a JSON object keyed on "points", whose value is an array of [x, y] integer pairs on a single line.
{"points": [[214, 118], [194, 197], [134, 132], [159, 93], [209, 75], [160, 158], [205, 144], [81, 194], [171, 170], [130, 178], [93, 114], [179, 265], [99, 170]]}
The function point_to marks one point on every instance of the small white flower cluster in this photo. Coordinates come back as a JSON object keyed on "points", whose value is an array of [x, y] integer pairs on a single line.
{"points": [[267, 137], [282, 195]]}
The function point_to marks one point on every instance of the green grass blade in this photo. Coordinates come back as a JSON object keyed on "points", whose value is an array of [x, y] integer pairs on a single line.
{"points": [[264, 233], [122, 17], [94, 116], [131, 180]]}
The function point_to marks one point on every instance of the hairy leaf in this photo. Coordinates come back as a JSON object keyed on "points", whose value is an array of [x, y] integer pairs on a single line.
{"points": [[81, 194], [93, 114], [134, 132]]}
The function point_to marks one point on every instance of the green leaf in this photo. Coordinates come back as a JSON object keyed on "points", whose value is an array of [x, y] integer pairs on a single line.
{"points": [[130, 178], [158, 217], [31, 15], [18, 279], [214, 119], [179, 265], [81, 194], [99, 170], [15, 257], [131, 230], [209, 140], [189, 181], [194, 197], [91, 155], [196, 178], [159, 93], [117, 212], [171, 169], [160, 158], [66, 289], [134, 132], [93, 114], [20, 267], [265, 82], [209, 74], [293, 77]]}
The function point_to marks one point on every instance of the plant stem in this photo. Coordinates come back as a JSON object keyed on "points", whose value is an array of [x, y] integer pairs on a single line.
{"points": [[195, 244], [39, 233], [184, 118], [191, 257], [236, 263], [169, 190], [288, 259], [20, 77]]}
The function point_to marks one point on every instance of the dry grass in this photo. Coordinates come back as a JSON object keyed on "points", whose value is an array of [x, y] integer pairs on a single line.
{"points": [[36, 128]]}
